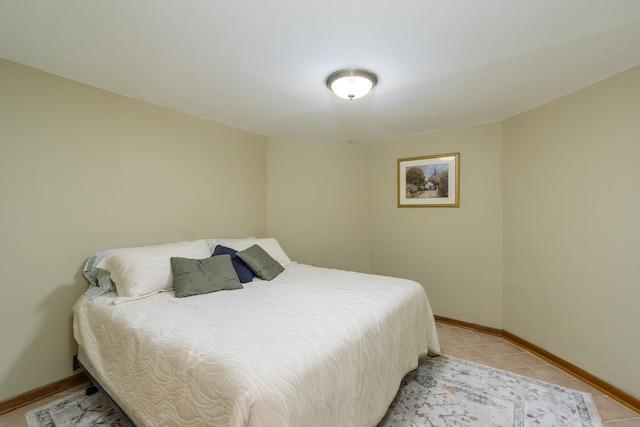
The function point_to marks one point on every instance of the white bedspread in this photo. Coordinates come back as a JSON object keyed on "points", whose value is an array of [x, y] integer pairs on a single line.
{"points": [[313, 347]]}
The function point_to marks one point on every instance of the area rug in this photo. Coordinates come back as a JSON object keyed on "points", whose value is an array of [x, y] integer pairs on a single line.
{"points": [[446, 391], [443, 391], [77, 410]]}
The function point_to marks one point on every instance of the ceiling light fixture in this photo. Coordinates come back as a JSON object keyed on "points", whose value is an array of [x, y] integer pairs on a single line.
{"points": [[351, 83]]}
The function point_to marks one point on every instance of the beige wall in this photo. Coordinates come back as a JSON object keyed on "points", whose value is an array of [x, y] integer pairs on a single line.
{"points": [[455, 253], [82, 170], [334, 204], [318, 206], [570, 179]]}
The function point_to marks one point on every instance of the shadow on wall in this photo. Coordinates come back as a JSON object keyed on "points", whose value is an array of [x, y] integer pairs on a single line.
{"points": [[48, 357]]}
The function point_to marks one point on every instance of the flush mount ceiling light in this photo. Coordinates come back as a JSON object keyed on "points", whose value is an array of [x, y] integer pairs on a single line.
{"points": [[351, 83]]}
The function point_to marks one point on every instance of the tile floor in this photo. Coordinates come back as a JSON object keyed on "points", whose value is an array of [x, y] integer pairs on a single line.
{"points": [[16, 418], [500, 353], [475, 346]]}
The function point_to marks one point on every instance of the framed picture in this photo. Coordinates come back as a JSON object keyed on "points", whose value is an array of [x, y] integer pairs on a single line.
{"points": [[429, 181]]}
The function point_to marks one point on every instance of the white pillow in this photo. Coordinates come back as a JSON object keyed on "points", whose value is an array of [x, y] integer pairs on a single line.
{"points": [[269, 244], [225, 242], [145, 271]]}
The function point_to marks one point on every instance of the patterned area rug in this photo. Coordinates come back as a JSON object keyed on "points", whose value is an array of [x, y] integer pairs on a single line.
{"points": [[78, 410], [443, 391], [446, 391]]}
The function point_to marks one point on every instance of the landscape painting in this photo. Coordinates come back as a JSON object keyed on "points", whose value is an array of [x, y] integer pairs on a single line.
{"points": [[429, 181]]}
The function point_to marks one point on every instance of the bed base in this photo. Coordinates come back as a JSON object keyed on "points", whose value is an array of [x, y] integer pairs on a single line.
{"points": [[95, 387]]}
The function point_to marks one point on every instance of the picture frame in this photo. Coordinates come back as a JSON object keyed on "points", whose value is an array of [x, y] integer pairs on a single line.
{"points": [[429, 181]]}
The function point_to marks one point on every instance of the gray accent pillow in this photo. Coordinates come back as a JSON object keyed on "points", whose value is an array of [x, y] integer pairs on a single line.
{"points": [[260, 262], [201, 276]]}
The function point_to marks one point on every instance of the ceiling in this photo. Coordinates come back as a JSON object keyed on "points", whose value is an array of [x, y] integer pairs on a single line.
{"points": [[261, 65]]}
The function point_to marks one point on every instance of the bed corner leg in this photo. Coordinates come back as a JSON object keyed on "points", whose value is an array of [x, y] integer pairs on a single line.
{"points": [[91, 389]]}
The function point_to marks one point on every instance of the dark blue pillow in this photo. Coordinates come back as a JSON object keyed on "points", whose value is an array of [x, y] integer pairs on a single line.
{"points": [[244, 273]]}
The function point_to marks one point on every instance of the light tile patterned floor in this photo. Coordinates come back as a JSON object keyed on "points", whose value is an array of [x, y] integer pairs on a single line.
{"points": [[16, 418], [471, 345], [500, 353]]}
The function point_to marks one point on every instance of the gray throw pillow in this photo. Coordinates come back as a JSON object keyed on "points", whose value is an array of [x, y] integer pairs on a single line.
{"points": [[260, 262], [201, 276]]}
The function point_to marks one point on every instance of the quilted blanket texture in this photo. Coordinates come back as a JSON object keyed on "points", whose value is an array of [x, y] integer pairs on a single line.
{"points": [[313, 347]]}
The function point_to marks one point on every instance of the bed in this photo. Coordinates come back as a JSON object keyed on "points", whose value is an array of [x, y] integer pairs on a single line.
{"points": [[311, 347]]}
